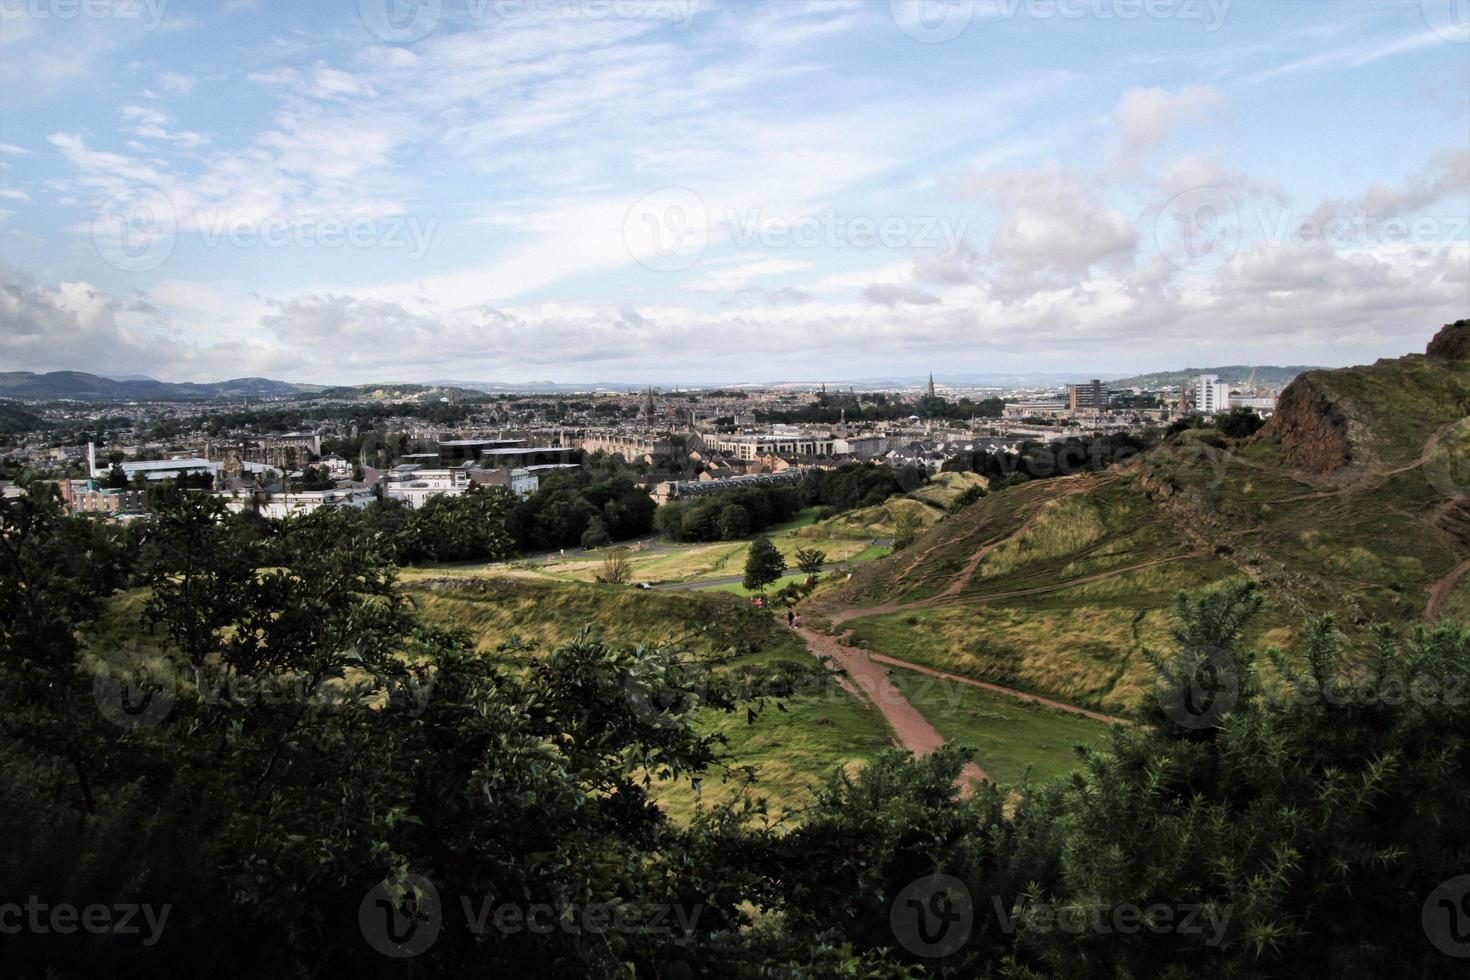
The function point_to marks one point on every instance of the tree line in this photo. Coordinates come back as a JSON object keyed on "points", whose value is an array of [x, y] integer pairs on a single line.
{"points": [[299, 776]]}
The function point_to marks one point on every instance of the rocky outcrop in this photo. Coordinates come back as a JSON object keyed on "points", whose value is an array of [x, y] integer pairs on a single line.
{"points": [[1452, 342], [1312, 428]]}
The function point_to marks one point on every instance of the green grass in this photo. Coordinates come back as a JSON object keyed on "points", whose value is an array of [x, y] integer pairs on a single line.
{"points": [[735, 588], [1082, 644], [1008, 736], [791, 751]]}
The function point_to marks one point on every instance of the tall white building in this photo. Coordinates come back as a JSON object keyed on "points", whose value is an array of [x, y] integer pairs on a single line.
{"points": [[1210, 396]]}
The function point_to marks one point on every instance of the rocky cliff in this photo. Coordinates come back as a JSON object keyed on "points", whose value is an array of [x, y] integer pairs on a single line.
{"points": [[1452, 342], [1356, 418], [1312, 427]]}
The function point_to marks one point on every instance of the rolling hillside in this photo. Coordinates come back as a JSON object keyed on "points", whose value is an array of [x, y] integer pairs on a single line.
{"points": [[1353, 501], [80, 386]]}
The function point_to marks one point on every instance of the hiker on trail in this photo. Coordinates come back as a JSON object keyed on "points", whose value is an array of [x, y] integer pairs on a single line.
{"points": [[790, 619], [796, 623]]}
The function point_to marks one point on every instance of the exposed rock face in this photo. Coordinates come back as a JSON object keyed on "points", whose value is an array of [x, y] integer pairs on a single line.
{"points": [[1312, 429], [1452, 342]]}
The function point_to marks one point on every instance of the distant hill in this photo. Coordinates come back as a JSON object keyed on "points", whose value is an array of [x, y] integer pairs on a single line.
{"points": [[1231, 374], [13, 418], [1354, 500], [79, 386]]}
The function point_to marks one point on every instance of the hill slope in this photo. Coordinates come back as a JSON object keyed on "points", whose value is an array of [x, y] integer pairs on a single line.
{"points": [[91, 387], [1354, 501]]}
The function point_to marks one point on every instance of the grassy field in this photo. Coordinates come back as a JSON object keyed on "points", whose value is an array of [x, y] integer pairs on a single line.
{"points": [[665, 562], [943, 488], [789, 751], [867, 523], [1008, 736]]}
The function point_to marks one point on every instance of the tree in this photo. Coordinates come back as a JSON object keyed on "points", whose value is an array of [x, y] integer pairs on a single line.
{"points": [[616, 569], [596, 535], [1238, 423], [763, 565], [906, 527], [967, 496], [810, 560], [116, 478], [734, 522]]}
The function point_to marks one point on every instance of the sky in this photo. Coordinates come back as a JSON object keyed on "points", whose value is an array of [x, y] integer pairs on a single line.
{"points": [[352, 191]]}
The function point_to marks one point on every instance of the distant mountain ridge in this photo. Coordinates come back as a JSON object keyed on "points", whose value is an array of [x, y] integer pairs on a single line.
{"points": [[81, 386], [1271, 376]]}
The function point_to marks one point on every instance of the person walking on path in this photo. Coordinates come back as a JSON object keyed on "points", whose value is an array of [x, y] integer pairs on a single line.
{"points": [[791, 619]]}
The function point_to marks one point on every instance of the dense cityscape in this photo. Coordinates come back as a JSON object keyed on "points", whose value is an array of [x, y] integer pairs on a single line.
{"points": [[411, 443]]}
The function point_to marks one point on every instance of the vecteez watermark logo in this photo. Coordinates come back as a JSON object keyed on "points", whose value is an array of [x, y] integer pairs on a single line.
{"points": [[1446, 917], [834, 229], [1447, 460], [137, 230], [400, 21], [1207, 920], [1199, 689], [146, 14], [401, 919], [409, 21], [667, 230], [678, 13], [933, 916], [932, 21], [406, 233], [404, 918], [937, 21], [96, 919], [1450, 19], [1361, 230], [135, 687], [1199, 230]]}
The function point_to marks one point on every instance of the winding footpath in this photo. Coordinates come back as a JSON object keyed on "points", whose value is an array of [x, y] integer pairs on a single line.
{"points": [[911, 730], [1442, 589]]}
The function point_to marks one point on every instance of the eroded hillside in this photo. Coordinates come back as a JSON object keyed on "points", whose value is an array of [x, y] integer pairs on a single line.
{"points": [[1356, 500]]}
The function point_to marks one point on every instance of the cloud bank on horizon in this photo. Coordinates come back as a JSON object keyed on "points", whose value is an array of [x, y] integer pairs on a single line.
{"points": [[626, 189]]}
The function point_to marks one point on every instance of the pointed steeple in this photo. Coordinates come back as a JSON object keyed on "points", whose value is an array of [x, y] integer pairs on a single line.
{"points": [[931, 384]]}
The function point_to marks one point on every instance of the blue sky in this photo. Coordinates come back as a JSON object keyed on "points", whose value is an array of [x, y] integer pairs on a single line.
{"points": [[631, 190]]}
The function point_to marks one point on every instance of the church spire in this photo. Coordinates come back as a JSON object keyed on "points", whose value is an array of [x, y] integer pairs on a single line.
{"points": [[931, 384]]}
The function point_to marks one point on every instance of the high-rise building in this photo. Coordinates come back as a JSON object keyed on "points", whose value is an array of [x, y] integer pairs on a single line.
{"points": [[1210, 395], [1091, 397]]}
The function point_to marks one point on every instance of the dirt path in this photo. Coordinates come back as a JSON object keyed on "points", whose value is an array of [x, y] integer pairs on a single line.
{"points": [[1442, 589], [883, 658], [911, 730]]}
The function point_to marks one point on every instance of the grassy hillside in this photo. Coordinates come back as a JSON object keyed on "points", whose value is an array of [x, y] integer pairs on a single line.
{"points": [[1057, 586], [782, 753]]}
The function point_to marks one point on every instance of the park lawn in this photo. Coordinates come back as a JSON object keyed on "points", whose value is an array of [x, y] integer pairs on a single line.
{"points": [[735, 588], [1008, 736], [819, 733], [790, 752]]}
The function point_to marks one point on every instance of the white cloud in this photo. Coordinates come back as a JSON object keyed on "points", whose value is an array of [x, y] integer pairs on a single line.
{"points": [[1146, 117]]}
